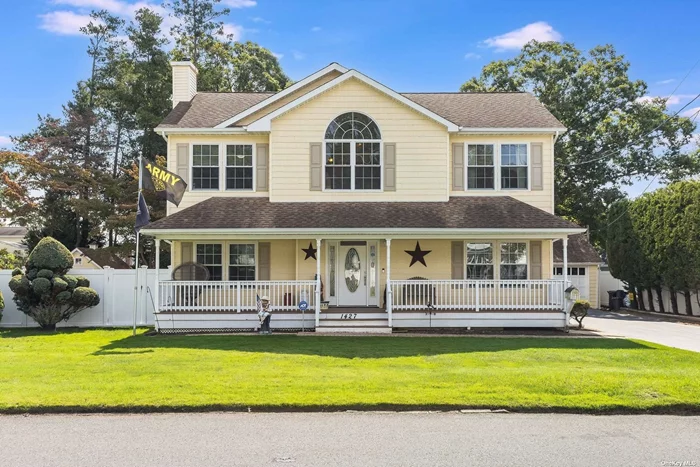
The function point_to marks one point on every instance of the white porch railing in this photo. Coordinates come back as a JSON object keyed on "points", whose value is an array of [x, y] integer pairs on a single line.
{"points": [[478, 295], [234, 296]]}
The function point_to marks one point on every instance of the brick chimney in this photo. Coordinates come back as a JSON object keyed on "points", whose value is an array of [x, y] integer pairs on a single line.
{"points": [[184, 81]]}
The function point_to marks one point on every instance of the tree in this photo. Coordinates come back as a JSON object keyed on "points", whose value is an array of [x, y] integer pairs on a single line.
{"points": [[45, 292], [613, 136], [9, 260]]}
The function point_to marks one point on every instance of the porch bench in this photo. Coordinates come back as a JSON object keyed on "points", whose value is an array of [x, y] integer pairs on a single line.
{"points": [[418, 294]]}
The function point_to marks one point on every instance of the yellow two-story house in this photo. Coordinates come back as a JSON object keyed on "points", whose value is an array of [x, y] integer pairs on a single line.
{"points": [[356, 207]]}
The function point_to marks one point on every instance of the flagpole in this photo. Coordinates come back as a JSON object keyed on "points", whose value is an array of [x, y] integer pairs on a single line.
{"points": [[136, 256]]}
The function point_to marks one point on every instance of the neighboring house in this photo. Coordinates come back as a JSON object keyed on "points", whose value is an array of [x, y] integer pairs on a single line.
{"points": [[11, 239], [583, 266], [97, 258], [395, 210]]}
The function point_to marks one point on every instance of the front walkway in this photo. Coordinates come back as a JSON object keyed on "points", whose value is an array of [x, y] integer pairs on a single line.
{"points": [[660, 330]]}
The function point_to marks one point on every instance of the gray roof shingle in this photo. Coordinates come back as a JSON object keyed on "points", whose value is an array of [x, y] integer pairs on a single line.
{"points": [[579, 250], [465, 212], [208, 109]]}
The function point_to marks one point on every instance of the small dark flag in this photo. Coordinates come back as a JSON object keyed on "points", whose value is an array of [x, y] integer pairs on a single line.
{"points": [[166, 184], [142, 216]]}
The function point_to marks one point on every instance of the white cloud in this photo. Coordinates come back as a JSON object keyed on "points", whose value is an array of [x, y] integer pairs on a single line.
{"points": [[5, 141], [298, 55], [258, 19], [65, 23], [691, 112], [670, 100], [316, 29], [278, 56], [240, 3], [234, 29], [666, 81], [471, 56], [540, 31]]}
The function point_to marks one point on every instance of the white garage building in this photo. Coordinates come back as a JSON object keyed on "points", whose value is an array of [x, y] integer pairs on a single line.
{"points": [[584, 264]]}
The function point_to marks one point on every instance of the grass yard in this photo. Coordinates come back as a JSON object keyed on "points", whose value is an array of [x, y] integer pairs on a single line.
{"points": [[97, 370]]}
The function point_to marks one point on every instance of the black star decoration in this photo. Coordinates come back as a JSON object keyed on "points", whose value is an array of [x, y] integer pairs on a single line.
{"points": [[310, 252], [417, 255]]}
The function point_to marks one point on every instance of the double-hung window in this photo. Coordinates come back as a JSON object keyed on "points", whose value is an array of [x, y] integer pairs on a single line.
{"points": [[210, 255], [480, 167], [241, 262], [514, 166], [479, 261], [239, 167], [205, 167], [353, 158], [514, 261]]}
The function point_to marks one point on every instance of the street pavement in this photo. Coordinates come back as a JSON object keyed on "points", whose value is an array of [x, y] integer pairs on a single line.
{"points": [[349, 439], [652, 328]]}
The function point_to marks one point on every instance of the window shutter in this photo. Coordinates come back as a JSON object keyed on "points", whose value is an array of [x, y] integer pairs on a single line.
{"points": [[262, 164], [264, 261], [185, 252], [536, 260], [389, 166], [536, 166], [457, 260], [183, 161], [458, 167], [316, 165]]}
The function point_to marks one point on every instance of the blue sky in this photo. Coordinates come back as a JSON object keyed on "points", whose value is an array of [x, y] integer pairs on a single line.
{"points": [[409, 45]]}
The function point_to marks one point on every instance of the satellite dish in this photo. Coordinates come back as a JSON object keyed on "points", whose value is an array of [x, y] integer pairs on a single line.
{"points": [[190, 272]]}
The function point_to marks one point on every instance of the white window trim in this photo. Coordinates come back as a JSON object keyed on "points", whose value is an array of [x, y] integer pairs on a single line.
{"points": [[227, 260], [222, 167], [353, 142], [496, 167], [223, 255], [527, 257], [253, 161], [494, 245]]}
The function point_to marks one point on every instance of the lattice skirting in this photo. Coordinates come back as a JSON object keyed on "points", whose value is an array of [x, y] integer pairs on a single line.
{"points": [[229, 330]]}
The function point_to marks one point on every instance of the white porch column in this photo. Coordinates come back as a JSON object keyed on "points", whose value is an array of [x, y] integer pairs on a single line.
{"points": [[389, 292], [156, 295], [565, 248], [318, 281]]}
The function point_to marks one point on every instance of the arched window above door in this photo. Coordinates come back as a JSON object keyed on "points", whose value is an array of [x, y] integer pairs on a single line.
{"points": [[353, 159]]}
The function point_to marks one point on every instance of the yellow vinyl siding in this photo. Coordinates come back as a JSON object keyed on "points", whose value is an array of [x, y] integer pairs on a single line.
{"points": [[593, 272], [421, 146], [331, 75], [85, 263], [542, 199], [194, 197]]}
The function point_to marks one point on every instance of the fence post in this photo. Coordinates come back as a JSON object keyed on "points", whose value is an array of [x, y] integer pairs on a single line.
{"points": [[238, 297], [478, 299], [389, 292]]}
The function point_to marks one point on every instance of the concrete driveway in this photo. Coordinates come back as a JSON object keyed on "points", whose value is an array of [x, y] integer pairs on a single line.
{"points": [[658, 329], [349, 439]]}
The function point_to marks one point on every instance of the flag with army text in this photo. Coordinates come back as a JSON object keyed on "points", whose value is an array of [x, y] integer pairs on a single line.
{"points": [[166, 184]]}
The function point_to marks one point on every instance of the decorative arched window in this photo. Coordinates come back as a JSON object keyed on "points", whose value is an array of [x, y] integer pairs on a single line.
{"points": [[353, 159]]}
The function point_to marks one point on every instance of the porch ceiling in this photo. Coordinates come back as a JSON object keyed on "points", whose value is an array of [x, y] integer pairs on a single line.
{"points": [[487, 216]]}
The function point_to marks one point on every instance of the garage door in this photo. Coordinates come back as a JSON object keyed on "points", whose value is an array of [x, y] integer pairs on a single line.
{"points": [[578, 277]]}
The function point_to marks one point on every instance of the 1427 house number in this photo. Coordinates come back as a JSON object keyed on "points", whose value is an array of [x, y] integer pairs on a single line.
{"points": [[348, 316]]}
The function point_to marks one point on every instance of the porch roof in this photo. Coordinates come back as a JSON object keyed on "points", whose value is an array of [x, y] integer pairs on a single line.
{"points": [[466, 213], [579, 251]]}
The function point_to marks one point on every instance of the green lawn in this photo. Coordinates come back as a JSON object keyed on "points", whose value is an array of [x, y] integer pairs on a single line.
{"points": [[110, 370]]}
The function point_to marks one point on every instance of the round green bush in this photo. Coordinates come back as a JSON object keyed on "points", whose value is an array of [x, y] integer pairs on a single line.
{"points": [[41, 286], [31, 274], [49, 253], [45, 273], [63, 297], [20, 285], [2, 303], [59, 285], [85, 297], [71, 281], [16, 272], [82, 281]]}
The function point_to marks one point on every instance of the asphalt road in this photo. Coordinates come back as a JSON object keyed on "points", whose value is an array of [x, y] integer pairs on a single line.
{"points": [[349, 439], [660, 330]]}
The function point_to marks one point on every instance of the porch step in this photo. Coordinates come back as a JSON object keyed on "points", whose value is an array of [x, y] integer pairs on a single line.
{"points": [[352, 315], [361, 325], [354, 329]]}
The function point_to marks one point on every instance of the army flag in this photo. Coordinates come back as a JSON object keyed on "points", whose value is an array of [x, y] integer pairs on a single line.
{"points": [[166, 184]]}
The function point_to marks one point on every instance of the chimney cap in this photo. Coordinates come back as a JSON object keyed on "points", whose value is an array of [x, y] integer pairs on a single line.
{"points": [[185, 62]]}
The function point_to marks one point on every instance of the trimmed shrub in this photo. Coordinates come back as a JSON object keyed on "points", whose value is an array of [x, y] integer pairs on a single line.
{"points": [[580, 311], [45, 293], [50, 254], [16, 272], [2, 305]]}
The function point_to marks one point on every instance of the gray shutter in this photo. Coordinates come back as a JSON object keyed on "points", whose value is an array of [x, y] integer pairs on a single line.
{"points": [[316, 167], [457, 260], [536, 259], [262, 163], [185, 252], [536, 166], [458, 167], [389, 166], [183, 161], [264, 261]]}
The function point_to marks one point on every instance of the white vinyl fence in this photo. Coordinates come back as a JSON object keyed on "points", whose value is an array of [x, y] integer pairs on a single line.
{"points": [[116, 290]]}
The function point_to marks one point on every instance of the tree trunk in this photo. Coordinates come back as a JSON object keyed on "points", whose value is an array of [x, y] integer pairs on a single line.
{"points": [[659, 293], [650, 296], [640, 298], [688, 303], [674, 300]]}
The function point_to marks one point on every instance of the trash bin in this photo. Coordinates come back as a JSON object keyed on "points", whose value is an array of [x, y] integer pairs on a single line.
{"points": [[614, 300]]}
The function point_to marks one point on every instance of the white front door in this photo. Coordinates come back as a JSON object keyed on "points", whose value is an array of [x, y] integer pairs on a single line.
{"points": [[352, 275]]}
